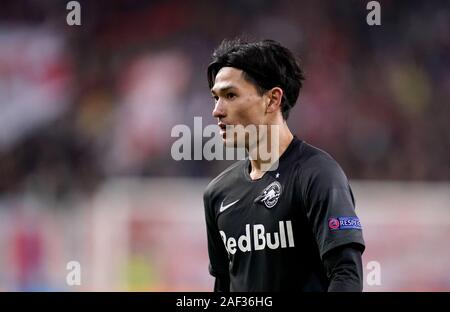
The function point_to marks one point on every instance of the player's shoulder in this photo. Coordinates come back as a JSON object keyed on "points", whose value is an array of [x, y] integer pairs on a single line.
{"points": [[307, 155], [315, 163], [311, 155], [224, 179]]}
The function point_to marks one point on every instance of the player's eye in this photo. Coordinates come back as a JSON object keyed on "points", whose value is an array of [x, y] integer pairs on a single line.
{"points": [[215, 97], [230, 96]]}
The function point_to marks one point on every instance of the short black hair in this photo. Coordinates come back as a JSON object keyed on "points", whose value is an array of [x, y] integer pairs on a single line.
{"points": [[266, 64]]}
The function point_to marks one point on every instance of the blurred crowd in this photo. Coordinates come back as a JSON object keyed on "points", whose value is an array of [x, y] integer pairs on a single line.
{"points": [[81, 104]]}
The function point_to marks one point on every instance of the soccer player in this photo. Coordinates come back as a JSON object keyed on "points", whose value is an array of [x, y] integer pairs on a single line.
{"points": [[293, 228]]}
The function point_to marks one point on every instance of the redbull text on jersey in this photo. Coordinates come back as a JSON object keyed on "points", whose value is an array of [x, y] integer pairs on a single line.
{"points": [[256, 238]]}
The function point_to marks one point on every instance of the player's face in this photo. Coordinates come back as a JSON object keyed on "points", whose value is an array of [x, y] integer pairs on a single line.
{"points": [[237, 102]]}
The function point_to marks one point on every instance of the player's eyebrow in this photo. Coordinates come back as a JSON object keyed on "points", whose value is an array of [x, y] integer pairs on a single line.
{"points": [[222, 89]]}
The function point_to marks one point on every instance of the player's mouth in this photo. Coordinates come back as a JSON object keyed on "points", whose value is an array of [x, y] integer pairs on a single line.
{"points": [[223, 129]]}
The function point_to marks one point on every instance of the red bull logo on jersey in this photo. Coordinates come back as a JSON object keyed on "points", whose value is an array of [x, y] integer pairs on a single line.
{"points": [[256, 238]]}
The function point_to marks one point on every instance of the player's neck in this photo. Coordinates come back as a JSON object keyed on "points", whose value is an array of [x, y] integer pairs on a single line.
{"points": [[259, 165]]}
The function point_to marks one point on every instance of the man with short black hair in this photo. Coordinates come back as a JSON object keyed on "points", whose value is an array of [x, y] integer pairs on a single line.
{"points": [[289, 226]]}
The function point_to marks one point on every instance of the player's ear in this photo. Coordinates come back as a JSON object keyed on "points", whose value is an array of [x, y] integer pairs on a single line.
{"points": [[274, 96]]}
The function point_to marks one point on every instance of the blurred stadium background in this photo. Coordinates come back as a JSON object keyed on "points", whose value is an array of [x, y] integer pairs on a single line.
{"points": [[86, 114]]}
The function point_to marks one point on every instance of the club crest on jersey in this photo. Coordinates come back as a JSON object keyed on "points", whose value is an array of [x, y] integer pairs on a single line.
{"points": [[270, 194]]}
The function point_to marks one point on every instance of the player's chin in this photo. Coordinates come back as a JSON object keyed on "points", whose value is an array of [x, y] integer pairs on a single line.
{"points": [[233, 143], [225, 139], [229, 142]]}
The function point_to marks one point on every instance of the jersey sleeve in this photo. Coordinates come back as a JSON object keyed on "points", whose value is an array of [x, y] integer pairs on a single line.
{"points": [[343, 266], [218, 256], [330, 206]]}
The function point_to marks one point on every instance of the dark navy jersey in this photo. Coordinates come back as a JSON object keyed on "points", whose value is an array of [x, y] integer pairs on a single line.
{"points": [[271, 234]]}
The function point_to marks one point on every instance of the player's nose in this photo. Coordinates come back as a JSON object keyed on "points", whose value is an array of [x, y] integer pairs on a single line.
{"points": [[218, 111]]}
